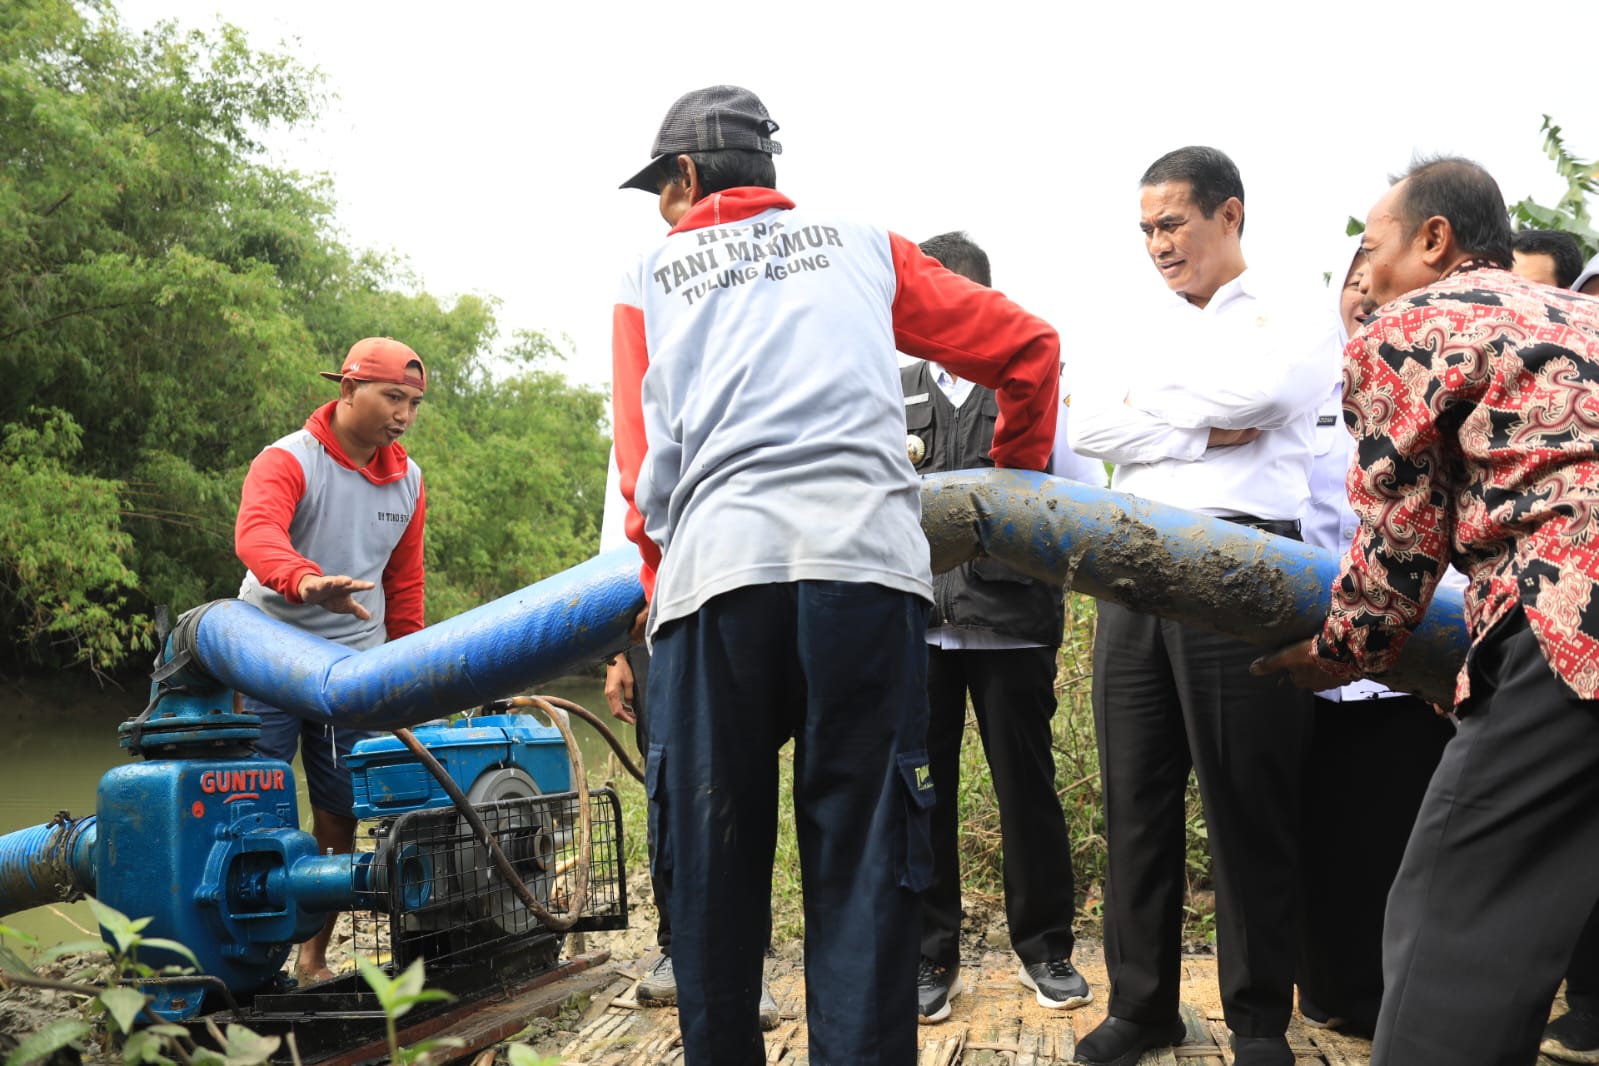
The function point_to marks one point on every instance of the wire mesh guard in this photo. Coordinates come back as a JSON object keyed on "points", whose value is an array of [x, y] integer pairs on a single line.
{"points": [[440, 894]]}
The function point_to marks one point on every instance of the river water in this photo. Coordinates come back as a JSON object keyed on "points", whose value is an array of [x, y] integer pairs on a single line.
{"points": [[59, 735]]}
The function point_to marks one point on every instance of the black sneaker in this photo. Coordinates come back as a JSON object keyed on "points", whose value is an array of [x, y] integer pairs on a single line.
{"points": [[935, 987], [659, 983], [1056, 983], [1572, 1037]]}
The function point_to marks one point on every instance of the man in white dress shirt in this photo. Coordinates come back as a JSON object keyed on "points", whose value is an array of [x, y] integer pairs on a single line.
{"points": [[1209, 406]]}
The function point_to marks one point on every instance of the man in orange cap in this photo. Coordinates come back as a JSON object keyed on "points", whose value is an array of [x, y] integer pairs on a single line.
{"points": [[330, 527]]}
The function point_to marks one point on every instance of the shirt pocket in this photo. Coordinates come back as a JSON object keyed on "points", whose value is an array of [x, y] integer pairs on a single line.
{"points": [[660, 844], [1329, 435], [992, 570], [921, 435], [987, 417]]}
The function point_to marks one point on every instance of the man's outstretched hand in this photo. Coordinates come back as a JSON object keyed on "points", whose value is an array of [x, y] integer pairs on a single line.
{"points": [[335, 593]]}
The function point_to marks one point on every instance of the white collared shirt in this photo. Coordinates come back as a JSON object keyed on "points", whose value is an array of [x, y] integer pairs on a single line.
{"points": [[1150, 397], [955, 389]]}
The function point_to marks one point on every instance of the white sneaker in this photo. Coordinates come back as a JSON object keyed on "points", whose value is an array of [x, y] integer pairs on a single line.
{"points": [[659, 983], [770, 1015]]}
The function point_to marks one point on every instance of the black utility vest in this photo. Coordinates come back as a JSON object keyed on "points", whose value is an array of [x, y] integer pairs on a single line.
{"points": [[983, 593]]}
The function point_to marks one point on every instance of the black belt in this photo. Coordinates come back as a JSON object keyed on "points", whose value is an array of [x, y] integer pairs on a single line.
{"points": [[1281, 527]]}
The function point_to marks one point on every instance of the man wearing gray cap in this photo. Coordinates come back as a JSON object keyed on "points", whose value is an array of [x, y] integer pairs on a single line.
{"points": [[760, 443]]}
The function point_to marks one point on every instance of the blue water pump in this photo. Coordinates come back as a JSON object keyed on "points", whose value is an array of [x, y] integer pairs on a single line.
{"points": [[203, 837], [206, 842]]}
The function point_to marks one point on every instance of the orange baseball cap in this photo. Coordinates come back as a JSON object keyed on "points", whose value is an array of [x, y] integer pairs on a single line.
{"points": [[382, 359]]}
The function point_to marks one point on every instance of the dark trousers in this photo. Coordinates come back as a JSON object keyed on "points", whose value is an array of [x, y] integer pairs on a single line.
{"points": [[841, 668], [1013, 694], [638, 660], [1582, 976], [1370, 763], [1167, 698], [1502, 869]]}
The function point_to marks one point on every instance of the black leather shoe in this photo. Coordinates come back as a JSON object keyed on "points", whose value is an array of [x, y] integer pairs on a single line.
{"points": [[1261, 1051], [1317, 1018], [1572, 1037], [1119, 1042]]}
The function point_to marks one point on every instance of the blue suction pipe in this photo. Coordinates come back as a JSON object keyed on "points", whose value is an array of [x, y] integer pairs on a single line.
{"points": [[47, 863], [556, 627]]}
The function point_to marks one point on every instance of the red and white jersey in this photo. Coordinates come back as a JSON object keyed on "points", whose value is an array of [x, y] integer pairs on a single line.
{"points": [[758, 411], [307, 509]]}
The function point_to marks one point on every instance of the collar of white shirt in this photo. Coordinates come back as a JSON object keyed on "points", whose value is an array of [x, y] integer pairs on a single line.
{"points": [[955, 389]]}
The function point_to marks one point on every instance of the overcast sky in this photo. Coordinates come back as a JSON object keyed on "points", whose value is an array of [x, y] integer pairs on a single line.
{"points": [[485, 141]]}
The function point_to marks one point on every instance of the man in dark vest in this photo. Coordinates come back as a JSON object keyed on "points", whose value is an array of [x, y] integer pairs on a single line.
{"points": [[993, 634]]}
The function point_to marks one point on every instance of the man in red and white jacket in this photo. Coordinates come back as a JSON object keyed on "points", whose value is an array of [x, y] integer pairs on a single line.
{"points": [[760, 445], [330, 527]]}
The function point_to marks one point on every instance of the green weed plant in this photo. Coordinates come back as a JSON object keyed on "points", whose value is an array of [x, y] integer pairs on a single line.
{"points": [[112, 1005]]}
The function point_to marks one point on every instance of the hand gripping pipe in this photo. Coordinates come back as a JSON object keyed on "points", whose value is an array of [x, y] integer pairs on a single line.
{"points": [[1142, 555]]}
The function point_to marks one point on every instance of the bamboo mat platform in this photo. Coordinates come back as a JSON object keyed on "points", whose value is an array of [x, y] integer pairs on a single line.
{"points": [[995, 1021]]}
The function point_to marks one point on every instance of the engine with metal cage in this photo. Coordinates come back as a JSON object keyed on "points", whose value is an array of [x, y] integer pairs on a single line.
{"points": [[438, 891], [453, 892], [478, 856]]}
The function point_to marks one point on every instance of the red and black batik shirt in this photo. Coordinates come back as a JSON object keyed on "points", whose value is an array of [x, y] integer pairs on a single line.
{"points": [[1474, 404]]}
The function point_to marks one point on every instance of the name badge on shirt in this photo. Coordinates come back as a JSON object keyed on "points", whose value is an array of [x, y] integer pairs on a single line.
{"points": [[1327, 420], [920, 397]]}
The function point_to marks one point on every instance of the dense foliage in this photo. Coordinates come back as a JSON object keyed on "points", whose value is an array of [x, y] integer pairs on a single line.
{"points": [[166, 296], [1570, 212]]}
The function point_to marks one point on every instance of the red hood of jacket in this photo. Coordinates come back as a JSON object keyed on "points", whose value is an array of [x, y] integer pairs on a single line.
{"points": [[389, 462]]}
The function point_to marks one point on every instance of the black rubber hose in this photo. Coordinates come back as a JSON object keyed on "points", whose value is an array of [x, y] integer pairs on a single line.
{"points": [[599, 724]]}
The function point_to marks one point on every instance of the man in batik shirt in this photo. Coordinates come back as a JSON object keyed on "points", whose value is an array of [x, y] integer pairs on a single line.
{"points": [[1473, 396]]}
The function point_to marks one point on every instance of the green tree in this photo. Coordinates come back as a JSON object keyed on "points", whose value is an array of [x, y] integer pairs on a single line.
{"points": [[521, 493], [63, 575], [166, 296], [134, 293], [1571, 212]]}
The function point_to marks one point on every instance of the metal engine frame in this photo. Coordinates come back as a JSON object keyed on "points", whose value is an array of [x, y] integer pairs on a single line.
{"points": [[439, 897]]}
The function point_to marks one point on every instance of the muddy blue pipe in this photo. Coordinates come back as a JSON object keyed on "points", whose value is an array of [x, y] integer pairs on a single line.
{"points": [[1143, 555], [1162, 560]]}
